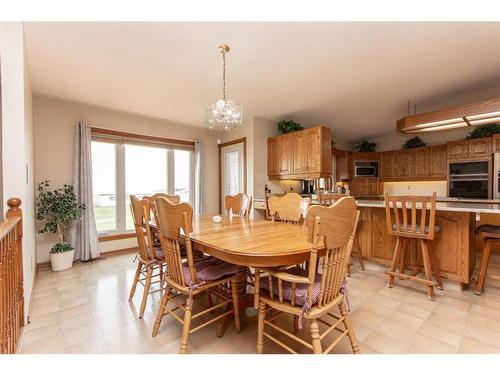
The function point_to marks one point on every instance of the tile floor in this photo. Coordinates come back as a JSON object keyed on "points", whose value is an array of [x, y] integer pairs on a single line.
{"points": [[85, 310]]}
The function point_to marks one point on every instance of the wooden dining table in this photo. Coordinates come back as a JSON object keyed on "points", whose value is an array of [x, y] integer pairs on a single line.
{"points": [[247, 242], [257, 243]]}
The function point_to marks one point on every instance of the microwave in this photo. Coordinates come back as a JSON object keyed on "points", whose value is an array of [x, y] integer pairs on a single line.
{"points": [[366, 168]]}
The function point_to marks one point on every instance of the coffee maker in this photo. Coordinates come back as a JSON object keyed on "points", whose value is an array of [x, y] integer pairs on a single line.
{"points": [[307, 186]]}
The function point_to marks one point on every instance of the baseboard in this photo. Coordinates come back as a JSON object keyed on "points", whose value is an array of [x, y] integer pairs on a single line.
{"points": [[107, 253]]}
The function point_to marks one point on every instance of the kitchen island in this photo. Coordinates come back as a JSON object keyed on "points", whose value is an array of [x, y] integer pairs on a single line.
{"points": [[455, 244]]}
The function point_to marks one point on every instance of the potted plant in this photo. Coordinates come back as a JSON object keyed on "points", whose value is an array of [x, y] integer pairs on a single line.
{"points": [[414, 143], [366, 146], [289, 126], [57, 209], [485, 130]]}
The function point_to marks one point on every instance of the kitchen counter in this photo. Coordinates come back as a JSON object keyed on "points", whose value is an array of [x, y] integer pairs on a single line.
{"points": [[476, 206]]}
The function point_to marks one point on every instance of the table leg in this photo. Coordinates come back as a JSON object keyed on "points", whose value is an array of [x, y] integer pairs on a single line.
{"points": [[245, 300]]}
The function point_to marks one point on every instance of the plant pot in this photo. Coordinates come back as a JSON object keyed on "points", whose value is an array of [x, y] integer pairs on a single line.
{"points": [[62, 261]]}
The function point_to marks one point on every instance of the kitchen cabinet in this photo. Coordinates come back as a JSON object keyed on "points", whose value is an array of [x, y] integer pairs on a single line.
{"points": [[454, 244], [479, 148], [420, 163], [386, 167], [401, 164], [343, 165], [457, 150], [496, 143], [306, 154], [470, 149], [437, 162], [365, 186]]}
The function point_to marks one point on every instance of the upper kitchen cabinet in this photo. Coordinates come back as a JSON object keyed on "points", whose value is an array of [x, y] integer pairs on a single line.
{"points": [[387, 164], [470, 149], [300, 155], [420, 163], [437, 162], [343, 165]]}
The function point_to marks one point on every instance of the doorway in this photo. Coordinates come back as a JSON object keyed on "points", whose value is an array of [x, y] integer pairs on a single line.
{"points": [[232, 169]]}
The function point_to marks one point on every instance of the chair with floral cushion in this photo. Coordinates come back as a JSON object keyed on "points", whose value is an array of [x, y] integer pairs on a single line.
{"points": [[312, 293], [149, 255], [238, 205], [189, 278]]}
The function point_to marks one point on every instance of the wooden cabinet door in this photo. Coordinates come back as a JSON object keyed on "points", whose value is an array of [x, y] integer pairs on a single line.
{"points": [[343, 161], [285, 154], [419, 163], [298, 152], [386, 168], [358, 186], [496, 143], [479, 147], [457, 150], [437, 162], [372, 186], [402, 164], [272, 157], [312, 146]]}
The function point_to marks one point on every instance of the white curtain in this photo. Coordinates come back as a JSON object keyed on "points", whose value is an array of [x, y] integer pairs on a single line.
{"points": [[198, 176], [83, 234]]}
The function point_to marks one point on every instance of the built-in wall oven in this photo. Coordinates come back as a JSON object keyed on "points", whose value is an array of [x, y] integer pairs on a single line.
{"points": [[469, 179], [496, 175]]}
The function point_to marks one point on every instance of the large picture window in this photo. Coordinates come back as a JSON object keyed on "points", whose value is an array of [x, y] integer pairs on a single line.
{"points": [[121, 167]]}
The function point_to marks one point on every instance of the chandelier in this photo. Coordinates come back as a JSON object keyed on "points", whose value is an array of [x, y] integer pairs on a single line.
{"points": [[224, 114]]}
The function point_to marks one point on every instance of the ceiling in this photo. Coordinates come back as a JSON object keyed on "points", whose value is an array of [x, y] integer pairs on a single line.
{"points": [[355, 78]]}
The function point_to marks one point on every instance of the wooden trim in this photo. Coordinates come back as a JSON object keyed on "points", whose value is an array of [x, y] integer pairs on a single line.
{"points": [[114, 237], [118, 133], [230, 143]]}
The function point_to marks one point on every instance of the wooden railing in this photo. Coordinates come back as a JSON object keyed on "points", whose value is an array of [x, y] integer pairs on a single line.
{"points": [[11, 278]]}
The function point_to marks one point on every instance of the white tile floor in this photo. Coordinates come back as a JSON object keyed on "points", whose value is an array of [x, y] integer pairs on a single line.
{"points": [[85, 310]]}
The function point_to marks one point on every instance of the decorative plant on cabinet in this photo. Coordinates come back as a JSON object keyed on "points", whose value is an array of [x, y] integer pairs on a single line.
{"points": [[57, 209]]}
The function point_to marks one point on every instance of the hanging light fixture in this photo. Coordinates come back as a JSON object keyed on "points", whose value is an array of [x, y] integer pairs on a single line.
{"points": [[224, 114]]}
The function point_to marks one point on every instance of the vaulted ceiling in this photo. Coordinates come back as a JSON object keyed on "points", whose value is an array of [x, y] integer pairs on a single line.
{"points": [[353, 77]]}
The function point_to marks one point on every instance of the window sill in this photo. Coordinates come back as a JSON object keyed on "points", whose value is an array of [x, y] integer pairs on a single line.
{"points": [[114, 237]]}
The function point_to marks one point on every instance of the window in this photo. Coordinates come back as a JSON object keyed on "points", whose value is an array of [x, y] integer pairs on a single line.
{"points": [[121, 167]]}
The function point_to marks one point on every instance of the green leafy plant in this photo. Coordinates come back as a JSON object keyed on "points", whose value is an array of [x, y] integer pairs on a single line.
{"points": [[414, 143], [485, 130], [288, 126], [366, 146], [57, 209]]}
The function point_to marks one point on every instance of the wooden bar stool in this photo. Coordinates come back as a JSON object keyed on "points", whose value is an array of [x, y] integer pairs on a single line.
{"points": [[490, 234], [404, 223]]}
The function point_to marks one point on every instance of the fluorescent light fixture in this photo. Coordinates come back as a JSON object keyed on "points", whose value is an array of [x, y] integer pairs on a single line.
{"points": [[462, 124], [488, 120], [435, 123], [484, 116]]}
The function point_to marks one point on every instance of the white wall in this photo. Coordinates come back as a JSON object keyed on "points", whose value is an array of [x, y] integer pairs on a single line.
{"points": [[54, 127], [17, 135]]}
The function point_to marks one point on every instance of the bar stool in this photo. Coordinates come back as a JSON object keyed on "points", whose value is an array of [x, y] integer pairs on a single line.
{"points": [[410, 225], [490, 234]]}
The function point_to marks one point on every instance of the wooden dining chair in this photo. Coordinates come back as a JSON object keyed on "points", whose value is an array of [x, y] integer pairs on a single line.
{"points": [[289, 208], [189, 278], [406, 223], [310, 294], [151, 198], [238, 205], [150, 257], [327, 199]]}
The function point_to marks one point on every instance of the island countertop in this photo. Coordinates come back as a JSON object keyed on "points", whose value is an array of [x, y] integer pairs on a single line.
{"points": [[489, 208]]}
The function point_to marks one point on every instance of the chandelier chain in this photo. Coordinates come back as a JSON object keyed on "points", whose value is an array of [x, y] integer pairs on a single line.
{"points": [[224, 76]]}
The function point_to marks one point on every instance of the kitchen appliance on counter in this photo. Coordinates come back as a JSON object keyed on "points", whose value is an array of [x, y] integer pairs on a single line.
{"points": [[366, 168], [307, 186], [469, 179]]}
